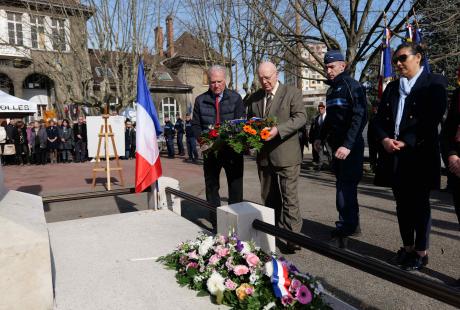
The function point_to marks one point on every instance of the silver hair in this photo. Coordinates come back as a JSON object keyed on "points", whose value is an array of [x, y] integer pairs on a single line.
{"points": [[217, 68]]}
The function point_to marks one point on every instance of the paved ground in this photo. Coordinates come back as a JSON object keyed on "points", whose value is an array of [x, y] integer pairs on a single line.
{"points": [[316, 189]]}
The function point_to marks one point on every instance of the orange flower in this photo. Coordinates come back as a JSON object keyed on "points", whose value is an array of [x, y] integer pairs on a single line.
{"points": [[244, 290], [264, 134], [247, 128], [253, 132]]}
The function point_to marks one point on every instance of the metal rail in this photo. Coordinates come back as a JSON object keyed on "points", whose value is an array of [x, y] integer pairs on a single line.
{"points": [[367, 264], [198, 201], [88, 195]]}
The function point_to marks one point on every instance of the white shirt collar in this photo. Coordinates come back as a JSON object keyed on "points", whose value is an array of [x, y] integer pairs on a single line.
{"points": [[273, 92]]}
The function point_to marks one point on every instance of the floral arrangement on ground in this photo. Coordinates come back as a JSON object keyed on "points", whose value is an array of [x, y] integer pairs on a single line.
{"points": [[241, 135], [240, 275]]}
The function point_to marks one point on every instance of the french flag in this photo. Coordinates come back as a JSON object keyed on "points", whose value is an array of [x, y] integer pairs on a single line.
{"points": [[280, 279], [148, 165]]}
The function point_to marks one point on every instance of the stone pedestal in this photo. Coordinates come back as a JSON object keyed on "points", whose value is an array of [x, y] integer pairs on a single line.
{"points": [[169, 201], [25, 264], [239, 217]]}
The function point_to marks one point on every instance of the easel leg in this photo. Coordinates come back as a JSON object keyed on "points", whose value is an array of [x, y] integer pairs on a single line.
{"points": [[98, 157], [117, 160]]}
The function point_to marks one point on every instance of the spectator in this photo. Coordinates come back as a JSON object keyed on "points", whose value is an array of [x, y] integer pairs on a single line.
{"points": [[168, 131], [52, 132], [191, 140], [10, 134], [179, 127], [130, 139], [3, 139], [80, 139], [38, 141], [322, 156], [21, 143], [67, 142]]}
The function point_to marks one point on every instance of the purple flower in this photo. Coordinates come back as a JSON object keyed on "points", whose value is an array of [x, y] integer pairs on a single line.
{"points": [[239, 246], [287, 300], [303, 295]]}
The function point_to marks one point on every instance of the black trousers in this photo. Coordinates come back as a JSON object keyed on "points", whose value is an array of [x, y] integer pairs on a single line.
{"points": [[233, 166], [455, 187], [414, 215], [39, 156]]}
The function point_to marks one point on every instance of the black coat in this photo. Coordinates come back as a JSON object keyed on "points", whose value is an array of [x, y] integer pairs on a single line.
{"points": [[79, 131], [315, 129], [204, 110], [451, 127], [418, 163]]}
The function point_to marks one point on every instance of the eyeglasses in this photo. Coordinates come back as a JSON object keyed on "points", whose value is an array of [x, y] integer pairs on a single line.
{"points": [[401, 58]]}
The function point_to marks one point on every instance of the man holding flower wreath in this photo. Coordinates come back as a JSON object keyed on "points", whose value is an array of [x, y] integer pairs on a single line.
{"points": [[217, 105], [278, 162]]}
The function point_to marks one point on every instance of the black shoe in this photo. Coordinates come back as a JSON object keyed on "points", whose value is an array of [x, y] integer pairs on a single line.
{"points": [[401, 257], [415, 262], [457, 283], [357, 232], [292, 247]]}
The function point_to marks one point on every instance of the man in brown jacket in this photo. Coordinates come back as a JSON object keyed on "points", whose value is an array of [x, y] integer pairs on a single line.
{"points": [[278, 162]]}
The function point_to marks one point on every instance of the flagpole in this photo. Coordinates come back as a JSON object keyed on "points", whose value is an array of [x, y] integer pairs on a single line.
{"points": [[153, 197]]}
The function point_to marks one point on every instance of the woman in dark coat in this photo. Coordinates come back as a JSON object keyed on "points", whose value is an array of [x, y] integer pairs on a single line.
{"points": [[66, 135], [53, 141], [406, 125], [21, 143], [38, 141]]}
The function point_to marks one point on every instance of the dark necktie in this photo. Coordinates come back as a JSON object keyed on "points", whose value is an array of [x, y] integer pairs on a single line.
{"points": [[217, 110], [268, 103]]}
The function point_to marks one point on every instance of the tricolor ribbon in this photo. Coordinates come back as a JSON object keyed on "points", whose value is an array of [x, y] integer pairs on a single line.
{"points": [[280, 279]]}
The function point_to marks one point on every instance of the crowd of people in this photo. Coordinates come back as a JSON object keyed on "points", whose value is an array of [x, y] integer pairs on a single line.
{"points": [[40, 142]]}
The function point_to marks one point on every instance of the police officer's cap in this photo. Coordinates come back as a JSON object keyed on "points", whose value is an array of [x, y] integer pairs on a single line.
{"points": [[333, 56]]}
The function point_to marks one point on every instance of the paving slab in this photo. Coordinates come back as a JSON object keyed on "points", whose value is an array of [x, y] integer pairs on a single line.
{"points": [[107, 262]]}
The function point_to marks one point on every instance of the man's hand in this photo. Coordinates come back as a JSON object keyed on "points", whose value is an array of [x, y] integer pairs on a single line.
{"points": [[454, 165], [317, 145], [392, 145], [79, 136], [273, 133], [342, 153]]}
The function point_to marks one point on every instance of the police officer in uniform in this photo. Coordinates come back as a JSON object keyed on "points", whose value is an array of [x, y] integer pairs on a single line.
{"points": [[169, 136], [346, 109], [191, 141], [179, 127]]}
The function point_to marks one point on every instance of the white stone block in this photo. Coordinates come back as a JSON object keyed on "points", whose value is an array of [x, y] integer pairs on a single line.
{"points": [[25, 263], [171, 202], [239, 217]]}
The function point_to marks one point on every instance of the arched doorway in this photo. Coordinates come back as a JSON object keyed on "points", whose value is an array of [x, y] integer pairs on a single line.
{"points": [[168, 107], [6, 84], [39, 88]]}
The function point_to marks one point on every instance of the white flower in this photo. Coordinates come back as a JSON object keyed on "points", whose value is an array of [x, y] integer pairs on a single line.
{"points": [[253, 278], [215, 283], [246, 249], [197, 279], [205, 246], [269, 306], [268, 269]]}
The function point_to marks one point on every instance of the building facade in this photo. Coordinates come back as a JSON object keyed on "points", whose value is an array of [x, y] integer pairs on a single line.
{"points": [[43, 51], [312, 83]]}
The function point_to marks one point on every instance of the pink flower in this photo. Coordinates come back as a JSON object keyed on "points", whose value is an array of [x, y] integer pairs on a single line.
{"points": [[222, 252], [192, 255], [295, 284], [214, 259], [240, 270], [229, 263], [303, 295], [191, 265], [222, 239], [287, 300], [230, 285], [252, 260], [249, 290]]}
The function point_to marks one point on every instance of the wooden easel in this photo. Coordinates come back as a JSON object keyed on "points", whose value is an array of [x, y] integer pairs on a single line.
{"points": [[106, 133]]}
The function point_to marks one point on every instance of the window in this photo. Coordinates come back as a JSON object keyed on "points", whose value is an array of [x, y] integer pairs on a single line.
{"points": [[37, 30], [168, 107], [205, 77], [15, 34], [163, 76], [58, 34], [102, 72]]}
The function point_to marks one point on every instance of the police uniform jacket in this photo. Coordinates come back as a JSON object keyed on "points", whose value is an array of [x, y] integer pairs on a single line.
{"points": [[168, 130], [179, 126], [418, 163], [346, 110], [188, 129]]}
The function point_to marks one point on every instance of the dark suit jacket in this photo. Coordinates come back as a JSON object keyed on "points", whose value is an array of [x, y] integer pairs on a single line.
{"points": [[418, 163], [288, 108]]}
